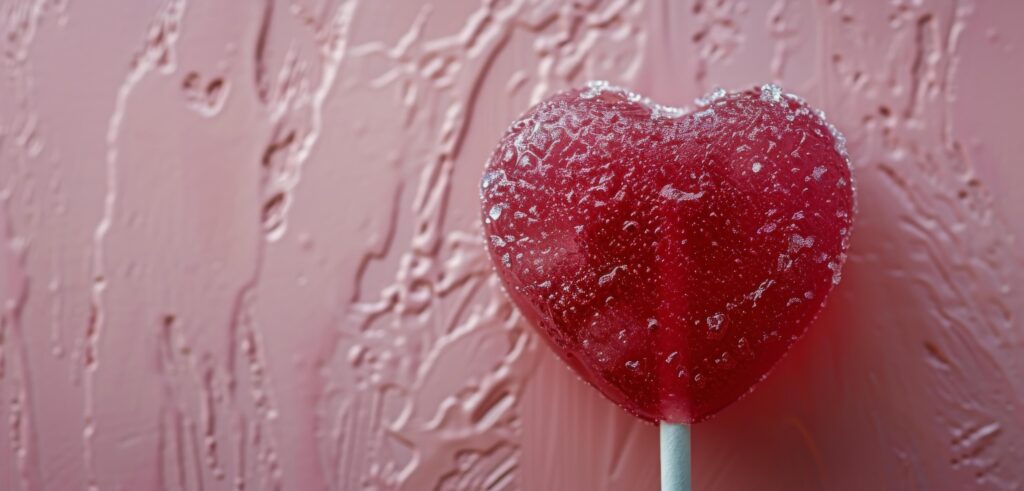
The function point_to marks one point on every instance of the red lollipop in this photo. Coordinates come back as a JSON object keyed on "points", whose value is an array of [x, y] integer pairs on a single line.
{"points": [[669, 257]]}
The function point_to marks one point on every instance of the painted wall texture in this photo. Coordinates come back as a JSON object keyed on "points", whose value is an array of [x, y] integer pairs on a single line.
{"points": [[240, 245]]}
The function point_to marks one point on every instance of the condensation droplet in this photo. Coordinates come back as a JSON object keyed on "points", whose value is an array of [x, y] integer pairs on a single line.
{"points": [[607, 278], [797, 242], [818, 172], [714, 95], [495, 212], [771, 93], [715, 323], [837, 273], [490, 177], [674, 194]]}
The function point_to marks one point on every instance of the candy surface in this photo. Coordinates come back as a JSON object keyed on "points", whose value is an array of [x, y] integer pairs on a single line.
{"points": [[669, 257]]}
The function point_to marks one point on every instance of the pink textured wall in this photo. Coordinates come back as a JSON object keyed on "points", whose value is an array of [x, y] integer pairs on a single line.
{"points": [[240, 245]]}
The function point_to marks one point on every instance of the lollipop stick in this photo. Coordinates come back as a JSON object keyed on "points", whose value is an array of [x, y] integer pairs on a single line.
{"points": [[675, 457]]}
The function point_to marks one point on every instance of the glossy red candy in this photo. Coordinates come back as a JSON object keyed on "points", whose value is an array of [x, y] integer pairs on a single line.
{"points": [[670, 258]]}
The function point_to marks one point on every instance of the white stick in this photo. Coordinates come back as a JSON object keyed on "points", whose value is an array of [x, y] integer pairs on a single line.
{"points": [[675, 457]]}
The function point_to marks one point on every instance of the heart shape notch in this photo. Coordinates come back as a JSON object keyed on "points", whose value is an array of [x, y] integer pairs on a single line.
{"points": [[670, 257]]}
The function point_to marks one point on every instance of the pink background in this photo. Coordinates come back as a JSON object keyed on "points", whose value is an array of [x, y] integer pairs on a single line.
{"points": [[240, 246]]}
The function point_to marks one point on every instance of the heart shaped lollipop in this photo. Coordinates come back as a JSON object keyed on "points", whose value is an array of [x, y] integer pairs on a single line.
{"points": [[670, 258]]}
